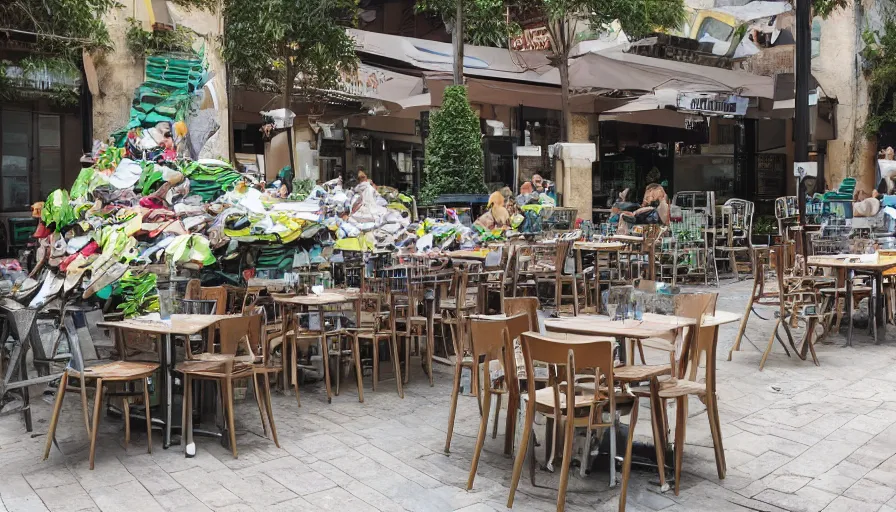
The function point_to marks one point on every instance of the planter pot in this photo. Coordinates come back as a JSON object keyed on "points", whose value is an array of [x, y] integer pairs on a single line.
{"points": [[761, 239]]}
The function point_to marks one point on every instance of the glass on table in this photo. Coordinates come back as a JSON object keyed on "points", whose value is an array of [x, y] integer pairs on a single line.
{"points": [[167, 303]]}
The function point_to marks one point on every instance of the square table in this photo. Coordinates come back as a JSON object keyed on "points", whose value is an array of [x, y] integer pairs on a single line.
{"points": [[853, 263], [179, 325], [320, 301]]}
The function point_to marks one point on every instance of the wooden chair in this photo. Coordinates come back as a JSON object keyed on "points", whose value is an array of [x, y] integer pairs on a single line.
{"points": [[701, 345], [224, 367], [550, 269], [587, 410], [217, 294], [103, 373], [492, 342], [407, 302], [736, 232], [375, 327]]}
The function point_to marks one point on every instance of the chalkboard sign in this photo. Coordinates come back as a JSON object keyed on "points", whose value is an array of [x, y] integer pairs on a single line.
{"points": [[770, 175]]}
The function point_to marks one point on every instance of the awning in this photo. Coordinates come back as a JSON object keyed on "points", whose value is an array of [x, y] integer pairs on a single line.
{"points": [[479, 61], [512, 94], [412, 106], [614, 69]]}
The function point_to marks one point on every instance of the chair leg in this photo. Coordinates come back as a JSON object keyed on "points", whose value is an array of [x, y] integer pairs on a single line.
{"points": [[659, 437], [85, 408], [97, 409], [452, 411], [681, 419], [148, 415], [186, 422], [356, 355], [757, 282], [294, 371], [407, 359], [480, 438], [497, 414], [712, 412], [627, 462], [430, 348], [54, 419], [376, 362], [525, 444], [231, 427], [586, 453], [126, 412], [771, 343], [269, 408], [257, 390], [569, 434], [396, 364], [325, 353]]}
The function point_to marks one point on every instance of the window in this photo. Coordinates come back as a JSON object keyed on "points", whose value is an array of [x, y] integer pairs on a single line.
{"points": [[49, 142], [715, 29], [16, 131], [816, 37], [32, 160]]}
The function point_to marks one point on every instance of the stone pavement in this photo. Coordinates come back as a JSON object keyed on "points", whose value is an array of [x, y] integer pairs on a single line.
{"points": [[797, 437]]}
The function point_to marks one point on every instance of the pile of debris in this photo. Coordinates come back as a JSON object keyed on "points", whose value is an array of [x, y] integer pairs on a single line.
{"points": [[147, 200]]}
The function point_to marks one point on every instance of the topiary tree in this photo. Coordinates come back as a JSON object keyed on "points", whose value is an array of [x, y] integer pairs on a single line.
{"points": [[453, 163]]}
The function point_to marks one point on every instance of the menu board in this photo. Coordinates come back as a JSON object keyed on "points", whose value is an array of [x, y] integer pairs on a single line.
{"points": [[770, 175]]}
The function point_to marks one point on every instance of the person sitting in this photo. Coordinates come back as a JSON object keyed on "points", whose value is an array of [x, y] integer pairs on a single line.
{"points": [[654, 210]]}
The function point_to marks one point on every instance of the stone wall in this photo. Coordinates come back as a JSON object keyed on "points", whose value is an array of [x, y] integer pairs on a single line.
{"points": [[119, 72]]}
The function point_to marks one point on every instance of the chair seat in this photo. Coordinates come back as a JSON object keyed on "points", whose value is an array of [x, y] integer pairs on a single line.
{"points": [[213, 368], [118, 370], [452, 303], [369, 334], [855, 289], [544, 399], [675, 389], [640, 372]]}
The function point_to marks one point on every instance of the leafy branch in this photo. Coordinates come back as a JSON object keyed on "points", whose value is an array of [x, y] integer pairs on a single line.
{"points": [[879, 55], [146, 42]]}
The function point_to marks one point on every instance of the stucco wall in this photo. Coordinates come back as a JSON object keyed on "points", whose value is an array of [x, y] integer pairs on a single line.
{"points": [[838, 71], [119, 72]]}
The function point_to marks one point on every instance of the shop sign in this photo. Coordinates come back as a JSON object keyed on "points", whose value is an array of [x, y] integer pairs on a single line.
{"points": [[365, 81], [712, 103], [532, 38]]}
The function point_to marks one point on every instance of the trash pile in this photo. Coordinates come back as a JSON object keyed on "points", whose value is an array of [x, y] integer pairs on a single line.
{"points": [[148, 200]]}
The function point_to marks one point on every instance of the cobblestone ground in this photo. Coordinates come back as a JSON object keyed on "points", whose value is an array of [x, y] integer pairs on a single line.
{"points": [[797, 437]]}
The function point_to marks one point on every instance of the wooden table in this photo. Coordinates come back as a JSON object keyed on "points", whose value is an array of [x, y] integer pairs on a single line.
{"points": [[631, 239], [320, 301], [852, 263], [597, 248], [652, 326], [178, 325], [478, 255]]}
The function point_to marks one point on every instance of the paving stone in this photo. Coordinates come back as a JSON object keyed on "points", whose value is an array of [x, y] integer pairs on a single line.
{"points": [[71, 497], [871, 491], [786, 449], [844, 504]]}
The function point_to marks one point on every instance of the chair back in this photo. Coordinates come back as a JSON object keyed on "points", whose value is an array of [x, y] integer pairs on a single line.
{"points": [[231, 332], [573, 356], [194, 289], [217, 294], [528, 305], [693, 306]]}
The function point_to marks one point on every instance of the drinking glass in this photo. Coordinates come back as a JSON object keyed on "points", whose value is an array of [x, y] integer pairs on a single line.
{"points": [[611, 310], [167, 303]]}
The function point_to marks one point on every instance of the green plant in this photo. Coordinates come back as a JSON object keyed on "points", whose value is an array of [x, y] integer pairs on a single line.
{"points": [[880, 70], [765, 225], [145, 42], [453, 163], [300, 48], [485, 21]]}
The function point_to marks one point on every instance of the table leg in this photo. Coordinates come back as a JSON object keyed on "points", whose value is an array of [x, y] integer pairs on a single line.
{"points": [[167, 384], [597, 301], [849, 305]]}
